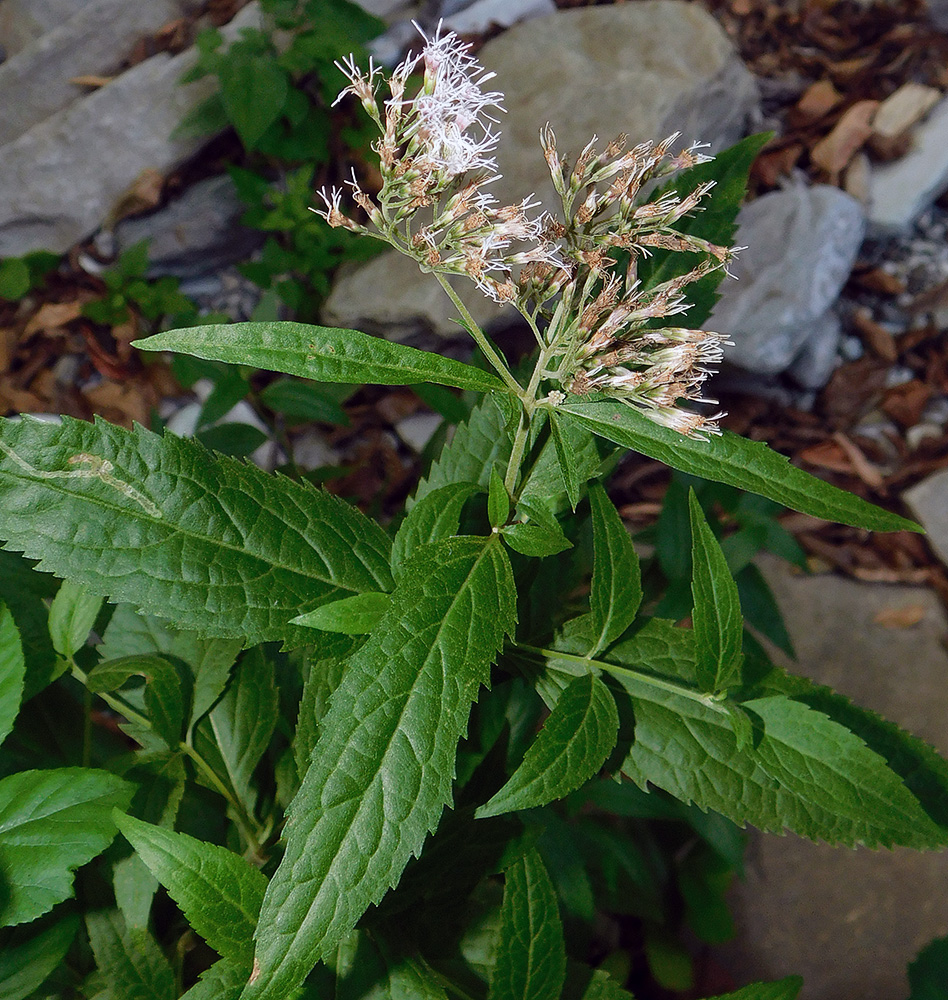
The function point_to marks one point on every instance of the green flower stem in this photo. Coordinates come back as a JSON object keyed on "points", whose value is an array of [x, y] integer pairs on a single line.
{"points": [[708, 700], [244, 819], [529, 399], [475, 331]]}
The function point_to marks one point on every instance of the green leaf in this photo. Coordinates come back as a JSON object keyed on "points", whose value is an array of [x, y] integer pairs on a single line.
{"points": [[253, 91], [782, 989], [241, 724], [208, 542], [803, 771], [478, 444], [51, 822], [928, 974], [130, 965], [14, 279], [222, 981], [12, 671], [29, 954], [24, 590], [583, 983], [381, 771], [717, 620], [71, 617], [322, 353], [498, 500], [728, 458], [531, 954], [237, 440], [535, 539], [356, 615], [616, 591], [566, 458], [300, 400], [435, 516], [570, 748], [759, 607], [218, 892], [668, 960]]}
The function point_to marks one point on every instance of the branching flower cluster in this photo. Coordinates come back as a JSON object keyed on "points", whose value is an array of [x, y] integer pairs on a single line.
{"points": [[575, 277]]}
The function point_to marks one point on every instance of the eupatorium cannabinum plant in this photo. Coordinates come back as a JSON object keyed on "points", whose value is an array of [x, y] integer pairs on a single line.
{"points": [[368, 761]]}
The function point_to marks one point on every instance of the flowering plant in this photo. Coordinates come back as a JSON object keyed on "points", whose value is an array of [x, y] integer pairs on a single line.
{"points": [[417, 663]]}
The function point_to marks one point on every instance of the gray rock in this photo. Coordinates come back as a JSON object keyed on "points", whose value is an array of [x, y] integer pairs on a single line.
{"points": [[801, 245], [35, 83], [901, 190], [648, 69], [928, 501], [478, 18], [59, 179], [198, 233], [938, 12], [813, 366], [849, 921], [23, 21]]}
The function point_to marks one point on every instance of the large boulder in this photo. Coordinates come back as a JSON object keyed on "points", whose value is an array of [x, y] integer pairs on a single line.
{"points": [[59, 179], [648, 69]]}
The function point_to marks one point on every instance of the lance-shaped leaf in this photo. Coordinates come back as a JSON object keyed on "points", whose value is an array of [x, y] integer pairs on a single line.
{"points": [[717, 620], [71, 617], [802, 770], [12, 671], [218, 891], [381, 771], [51, 822], [435, 516], [782, 989], [729, 458], [29, 954], [566, 458], [321, 353], [531, 954], [616, 590], [356, 615], [129, 962], [207, 541], [570, 748]]}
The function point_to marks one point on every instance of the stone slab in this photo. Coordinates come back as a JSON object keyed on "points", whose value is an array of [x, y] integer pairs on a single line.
{"points": [[23, 21], [849, 921], [59, 179], [35, 83], [928, 501]]}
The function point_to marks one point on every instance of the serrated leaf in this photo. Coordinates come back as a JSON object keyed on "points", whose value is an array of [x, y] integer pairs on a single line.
{"points": [[928, 974], [717, 621], [51, 822], [322, 353], [583, 983], [23, 590], [164, 698], [782, 989], [616, 590], [566, 458], [370, 969], [498, 500], [130, 965], [356, 615], [71, 617], [435, 516], [241, 724], [570, 748], [728, 458], [531, 953], [533, 539], [12, 671], [760, 609], [208, 542], [381, 771], [29, 954], [218, 891], [222, 981], [479, 444], [803, 771]]}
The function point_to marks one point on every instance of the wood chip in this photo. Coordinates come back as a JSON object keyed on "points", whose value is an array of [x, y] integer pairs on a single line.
{"points": [[52, 316], [818, 100], [876, 337], [833, 153], [904, 403], [900, 111], [91, 80], [863, 468], [904, 617]]}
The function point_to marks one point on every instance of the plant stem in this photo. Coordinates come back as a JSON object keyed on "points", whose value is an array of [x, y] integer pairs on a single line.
{"points": [[529, 398], [475, 331], [708, 700]]}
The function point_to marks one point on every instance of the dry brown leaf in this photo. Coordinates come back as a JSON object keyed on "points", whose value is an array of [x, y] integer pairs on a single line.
{"points": [[834, 151], [877, 338], [142, 196], [904, 403], [818, 99], [904, 617], [125, 400], [8, 339], [52, 316], [863, 468]]}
